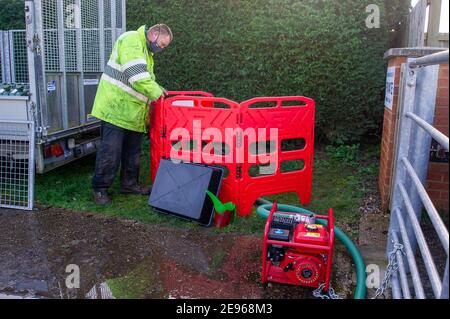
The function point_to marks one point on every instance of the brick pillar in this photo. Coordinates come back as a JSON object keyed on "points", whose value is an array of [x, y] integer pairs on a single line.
{"points": [[437, 182], [438, 172]]}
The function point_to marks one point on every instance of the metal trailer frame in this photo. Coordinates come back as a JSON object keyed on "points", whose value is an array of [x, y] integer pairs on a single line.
{"points": [[17, 145], [59, 53], [67, 43], [5, 57], [418, 88], [62, 54]]}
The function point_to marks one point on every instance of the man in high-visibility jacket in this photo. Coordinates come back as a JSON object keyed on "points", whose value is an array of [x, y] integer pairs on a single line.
{"points": [[126, 88]]}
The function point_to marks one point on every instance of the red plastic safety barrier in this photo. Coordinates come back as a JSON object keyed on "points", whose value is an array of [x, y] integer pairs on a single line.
{"points": [[198, 145], [157, 131], [292, 163], [181, 129]]}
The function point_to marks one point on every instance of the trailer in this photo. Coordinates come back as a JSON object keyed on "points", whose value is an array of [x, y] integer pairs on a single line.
{"points": [[50, 72]]}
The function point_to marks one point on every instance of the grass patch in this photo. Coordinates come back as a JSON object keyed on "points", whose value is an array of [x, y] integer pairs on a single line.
{"points": [[217, 261], [70, 187], [339, 181], [134, 285]]}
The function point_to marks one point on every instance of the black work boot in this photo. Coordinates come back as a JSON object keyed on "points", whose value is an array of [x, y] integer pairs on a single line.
{"points": [[136, 189], [102, 198]]}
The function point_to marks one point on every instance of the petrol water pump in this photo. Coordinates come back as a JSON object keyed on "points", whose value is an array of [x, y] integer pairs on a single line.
{"points": [[297, 250]]}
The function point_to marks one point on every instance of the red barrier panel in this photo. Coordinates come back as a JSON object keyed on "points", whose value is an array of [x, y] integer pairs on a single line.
{"points": [[290, 151], [197, 134], [197, 127], [157, 132], [156, 136]]}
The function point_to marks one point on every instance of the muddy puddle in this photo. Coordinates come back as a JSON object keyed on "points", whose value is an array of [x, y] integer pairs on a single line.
{"points": [[41, 253]]}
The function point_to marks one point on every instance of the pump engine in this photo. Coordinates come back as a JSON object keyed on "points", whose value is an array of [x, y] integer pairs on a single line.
{"points": [[297, 250]]}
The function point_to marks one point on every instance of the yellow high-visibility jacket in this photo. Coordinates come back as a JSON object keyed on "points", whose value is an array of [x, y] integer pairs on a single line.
{"points": [[128, 84]]}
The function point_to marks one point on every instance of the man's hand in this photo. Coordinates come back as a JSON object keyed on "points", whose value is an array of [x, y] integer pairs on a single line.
{"points": [[164, 91]]}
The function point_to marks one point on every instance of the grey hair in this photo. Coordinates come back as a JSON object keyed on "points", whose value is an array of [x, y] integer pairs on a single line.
{"points": [[162, 29]]}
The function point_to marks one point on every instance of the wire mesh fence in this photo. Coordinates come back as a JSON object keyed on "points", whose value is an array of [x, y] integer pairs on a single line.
{"points": [[107, 13], [70, 49], [13, 56], [17, 164], [19, 56], [92, 45], [2, 78], [118, 15], [91, 35], [108, 44], [91, 51]]}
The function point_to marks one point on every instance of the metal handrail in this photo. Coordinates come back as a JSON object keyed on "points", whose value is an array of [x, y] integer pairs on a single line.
{"points": [[431, 59], [429, 207], [421, 241], [417, 283], [441, 138]]}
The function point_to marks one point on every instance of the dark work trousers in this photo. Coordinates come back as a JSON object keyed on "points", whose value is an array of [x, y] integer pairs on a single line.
{"points": [[118, 147]]}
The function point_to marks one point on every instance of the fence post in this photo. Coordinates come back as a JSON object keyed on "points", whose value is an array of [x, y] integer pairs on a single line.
{"points": [[2, 59], [419, 152], [434, 20], [444, 293], [416, 26], [6, 58], [62, 63], [409, 93]]}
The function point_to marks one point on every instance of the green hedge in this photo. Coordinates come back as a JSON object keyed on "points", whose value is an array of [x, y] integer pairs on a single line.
{"points": [[245, 48], [12, 14], [242, 49]]}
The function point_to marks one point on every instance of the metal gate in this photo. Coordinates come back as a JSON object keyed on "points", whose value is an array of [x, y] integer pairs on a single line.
{"points": [[417, 107], [17, 164]]}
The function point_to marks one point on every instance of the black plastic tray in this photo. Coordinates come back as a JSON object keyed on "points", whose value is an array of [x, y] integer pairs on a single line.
{"points": [[180, 190]]}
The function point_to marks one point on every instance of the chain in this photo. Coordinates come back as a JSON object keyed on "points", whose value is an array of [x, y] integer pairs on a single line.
{"points": [[318, 293], [392, 268]]}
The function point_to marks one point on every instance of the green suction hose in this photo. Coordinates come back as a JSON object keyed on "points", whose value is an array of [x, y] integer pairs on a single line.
{"points": [[360, 292]]}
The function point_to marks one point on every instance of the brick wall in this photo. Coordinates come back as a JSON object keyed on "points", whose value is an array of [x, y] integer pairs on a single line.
{"points": [[387, 140], [437, 183]]}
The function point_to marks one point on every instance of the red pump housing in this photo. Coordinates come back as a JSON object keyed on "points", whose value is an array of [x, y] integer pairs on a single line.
{"points": [[304, 253]]}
